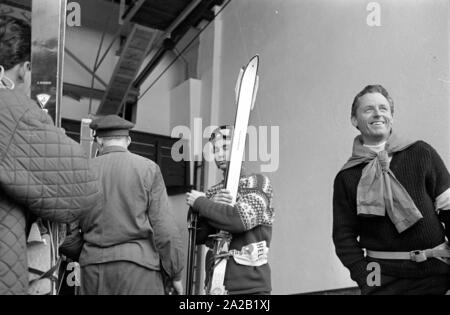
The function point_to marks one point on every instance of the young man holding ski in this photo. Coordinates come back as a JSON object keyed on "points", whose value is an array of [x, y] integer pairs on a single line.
{"points": [[248, 222]]}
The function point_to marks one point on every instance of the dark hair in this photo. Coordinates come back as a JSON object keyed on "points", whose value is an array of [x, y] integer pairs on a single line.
{"points": [[377, 88], [15, 41], [217, 130]]}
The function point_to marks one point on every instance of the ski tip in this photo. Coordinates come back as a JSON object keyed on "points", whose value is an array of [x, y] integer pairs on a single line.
{"points": [[254, 62], [255, 57]]}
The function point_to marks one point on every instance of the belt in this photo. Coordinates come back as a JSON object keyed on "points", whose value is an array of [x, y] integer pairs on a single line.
{"points": [[441, 252]]}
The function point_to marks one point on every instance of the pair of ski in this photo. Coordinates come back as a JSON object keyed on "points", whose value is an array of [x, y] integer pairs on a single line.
{"points": [[246, 89]]}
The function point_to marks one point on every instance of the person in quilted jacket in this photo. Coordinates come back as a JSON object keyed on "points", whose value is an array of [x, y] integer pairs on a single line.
{"points": [[43, 173]]}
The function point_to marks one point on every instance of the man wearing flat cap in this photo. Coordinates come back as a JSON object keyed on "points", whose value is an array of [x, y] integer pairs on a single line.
{"points": [[111, 126], [129, 240]]}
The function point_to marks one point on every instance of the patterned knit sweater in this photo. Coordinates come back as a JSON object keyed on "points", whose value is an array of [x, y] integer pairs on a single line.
{"points": [[249, 221], [423, 174]]}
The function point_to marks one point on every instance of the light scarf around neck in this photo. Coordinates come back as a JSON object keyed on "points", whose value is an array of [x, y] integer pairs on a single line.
{"points": [[378, 190]]}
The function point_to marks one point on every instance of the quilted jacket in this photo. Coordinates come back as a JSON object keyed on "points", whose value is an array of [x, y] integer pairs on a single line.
{"points": [[43, 173]]}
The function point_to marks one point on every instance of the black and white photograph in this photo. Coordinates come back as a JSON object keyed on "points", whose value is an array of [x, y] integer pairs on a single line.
{"points": [[224, 147]]}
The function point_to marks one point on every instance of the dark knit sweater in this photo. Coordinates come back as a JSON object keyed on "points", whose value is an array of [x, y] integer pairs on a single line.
{"points": [[423, 174], [249, 221]]}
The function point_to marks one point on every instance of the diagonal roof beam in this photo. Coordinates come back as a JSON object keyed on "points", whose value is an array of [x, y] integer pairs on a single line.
{"points": [[180, 18], [81, 63], [130, 12], [158, 42]]}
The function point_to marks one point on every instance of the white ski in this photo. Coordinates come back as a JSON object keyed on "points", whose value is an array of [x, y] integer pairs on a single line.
{"points": [[245, 102], [247, 86]]}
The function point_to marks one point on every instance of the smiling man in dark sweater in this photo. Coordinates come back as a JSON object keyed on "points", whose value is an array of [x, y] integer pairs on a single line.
{"points": [[249, 221], [392, 199]]}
